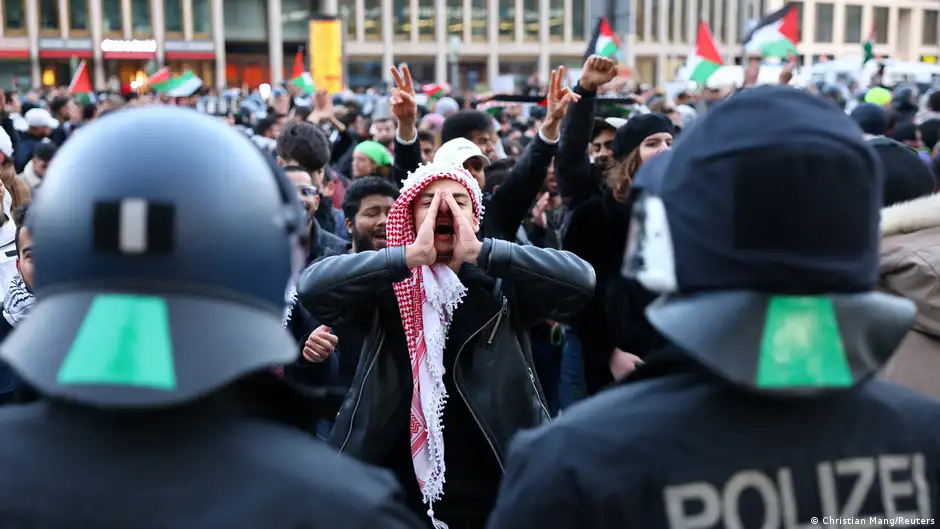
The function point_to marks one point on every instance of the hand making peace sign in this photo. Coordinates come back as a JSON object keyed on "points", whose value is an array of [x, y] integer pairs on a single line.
{"points": [[559, 96], [404, 106]]}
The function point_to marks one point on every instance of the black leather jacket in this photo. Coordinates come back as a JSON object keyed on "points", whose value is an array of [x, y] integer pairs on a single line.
{"points": [[495, 378]]}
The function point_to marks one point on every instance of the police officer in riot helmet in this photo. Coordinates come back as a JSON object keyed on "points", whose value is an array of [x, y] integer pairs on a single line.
{"points": [[834, 94], [904, 102], [765, 410], [153, 342]]}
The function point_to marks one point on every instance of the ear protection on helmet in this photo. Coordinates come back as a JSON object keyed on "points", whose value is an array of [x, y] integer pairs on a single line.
{"points": [[650, 256]]}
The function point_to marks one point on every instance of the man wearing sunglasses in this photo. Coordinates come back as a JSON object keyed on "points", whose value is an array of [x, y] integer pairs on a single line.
{"points": [[307, 189]]}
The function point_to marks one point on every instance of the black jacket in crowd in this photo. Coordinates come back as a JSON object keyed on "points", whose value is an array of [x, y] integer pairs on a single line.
{"points": [[511, 203], [676, 446], [24, 151], [596, 230], [490, 375], [228, 461]]}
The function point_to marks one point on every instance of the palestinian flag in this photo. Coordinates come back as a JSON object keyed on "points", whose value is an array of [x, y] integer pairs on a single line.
{"points": [[299, 76], [604, 41], [433, 91], [868, 47], [183, 85], [80, 87], [705, 61], [159, 80], [776, 34]]}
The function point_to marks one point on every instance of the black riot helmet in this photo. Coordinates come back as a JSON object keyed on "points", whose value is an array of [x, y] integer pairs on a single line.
{"points": [[904, 97], [833, 93], [163, 245]]}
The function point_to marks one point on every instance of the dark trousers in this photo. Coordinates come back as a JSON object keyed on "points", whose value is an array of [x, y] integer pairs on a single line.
{"points": [[547, 357]]}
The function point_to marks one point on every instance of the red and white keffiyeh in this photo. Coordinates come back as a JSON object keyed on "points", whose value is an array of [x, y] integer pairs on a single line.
{"points": [[427, 301]]}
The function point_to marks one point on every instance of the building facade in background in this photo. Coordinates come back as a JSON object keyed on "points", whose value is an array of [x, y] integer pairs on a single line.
{"points": [[489, 37], [41, 41], [664, 30], [243, 43]]}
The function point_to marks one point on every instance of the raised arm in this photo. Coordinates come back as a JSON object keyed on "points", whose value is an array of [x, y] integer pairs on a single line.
{"points": [[513, 199], [405, 110], [573, 171]]}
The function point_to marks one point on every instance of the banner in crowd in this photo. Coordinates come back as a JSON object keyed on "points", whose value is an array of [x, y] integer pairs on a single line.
{"points": [[325, 51]]}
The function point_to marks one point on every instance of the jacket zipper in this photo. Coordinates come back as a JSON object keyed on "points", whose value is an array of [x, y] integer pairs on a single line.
{"points": [[464, 398], [538, 395], [365, 378], [499, 318]]}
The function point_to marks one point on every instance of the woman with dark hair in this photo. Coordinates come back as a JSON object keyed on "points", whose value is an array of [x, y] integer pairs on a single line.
{"points": [[613, 329]]}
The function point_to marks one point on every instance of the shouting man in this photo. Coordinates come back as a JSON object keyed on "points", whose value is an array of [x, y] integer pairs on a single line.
{"points": [[444, 315]]}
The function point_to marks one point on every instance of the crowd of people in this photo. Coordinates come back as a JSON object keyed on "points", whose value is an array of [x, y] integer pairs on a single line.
{"points": [[690, 311]]}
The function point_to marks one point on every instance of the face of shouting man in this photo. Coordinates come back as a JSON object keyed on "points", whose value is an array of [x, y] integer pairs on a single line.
{"points": [[444, 234]]}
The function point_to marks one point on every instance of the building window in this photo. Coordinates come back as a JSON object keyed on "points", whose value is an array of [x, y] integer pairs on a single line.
{"points": [[556, 20], [640, 20], [799, 17], [578, 19], [928, 35], [78, 16], [881, 25], [49, 16], [455, 18], [348, 12], [14, 16], [478, 20], [401, 19], [824, 21], [372, 24], [140, 17], [427, 19], [173, 16], [202, 18], [294, 15], [111, 19], [507, 19], [530, 20], [852, 32]]}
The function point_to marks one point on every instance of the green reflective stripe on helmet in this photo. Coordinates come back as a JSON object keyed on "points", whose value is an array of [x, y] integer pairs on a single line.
{"points": [[124, 340], [801, 345]]}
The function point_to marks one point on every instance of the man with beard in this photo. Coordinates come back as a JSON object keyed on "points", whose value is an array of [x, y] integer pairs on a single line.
{"points": [[439, 301], [383, 131], [18, 301], [366, 205]]}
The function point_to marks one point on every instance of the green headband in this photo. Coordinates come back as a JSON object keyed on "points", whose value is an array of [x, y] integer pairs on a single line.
{"points": [[376, 152]]}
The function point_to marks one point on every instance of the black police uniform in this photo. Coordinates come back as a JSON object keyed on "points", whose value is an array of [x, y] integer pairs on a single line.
{"points": [[760, 226], [163, 243]]}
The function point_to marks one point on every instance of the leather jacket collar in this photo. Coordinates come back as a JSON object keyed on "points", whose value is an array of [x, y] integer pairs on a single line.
{"points": [[500, 374]]}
